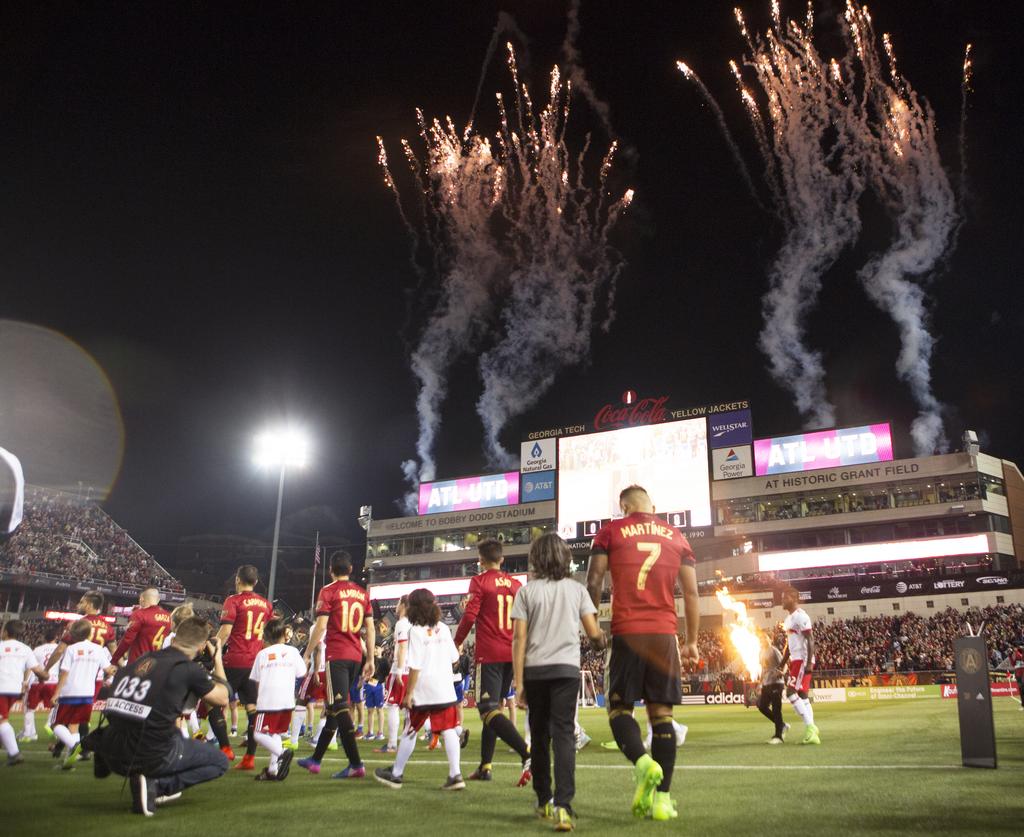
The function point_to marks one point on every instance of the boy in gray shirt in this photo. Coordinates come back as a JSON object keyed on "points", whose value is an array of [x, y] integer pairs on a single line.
{"points": [[546, 616]]}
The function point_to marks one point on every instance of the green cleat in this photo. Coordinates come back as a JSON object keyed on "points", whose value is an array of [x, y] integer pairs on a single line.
{"points": [[664, 808], [287, 744], [648, 775], [811, 735], [74, 754], [546, 811], [333, 745], [564, 820]]}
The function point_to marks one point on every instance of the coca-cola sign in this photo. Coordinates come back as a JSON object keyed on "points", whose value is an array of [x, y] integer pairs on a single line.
{"points": [[643, 411]]}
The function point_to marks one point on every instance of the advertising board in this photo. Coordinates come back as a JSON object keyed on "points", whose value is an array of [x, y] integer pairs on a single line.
{"points": [[731, 463], [481, 492], [537, 456], [537, 486], [875, 553], [823, 449], [730, 429]]}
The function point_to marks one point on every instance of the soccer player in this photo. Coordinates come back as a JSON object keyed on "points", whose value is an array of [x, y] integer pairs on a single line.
{"points": [[430, 691], [241, 629], [40, 691], [16, 662], [341, 617], [80, 667], [645, 557], [275, 670], [800, 656], [147, 628], [394, 686], [489, 607]]}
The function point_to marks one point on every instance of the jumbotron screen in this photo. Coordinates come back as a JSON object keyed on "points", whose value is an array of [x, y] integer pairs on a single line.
{"points": [[670, 460]]}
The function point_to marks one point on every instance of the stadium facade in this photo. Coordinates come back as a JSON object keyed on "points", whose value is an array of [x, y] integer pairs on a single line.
{"points": [[857, 531]]}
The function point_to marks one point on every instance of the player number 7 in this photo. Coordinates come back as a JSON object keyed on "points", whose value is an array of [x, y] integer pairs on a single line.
{"points": [[655, 553]]}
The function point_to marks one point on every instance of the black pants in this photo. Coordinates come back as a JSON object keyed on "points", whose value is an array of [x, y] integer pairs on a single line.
{"points": [[552, 706], [770, 705], [187, 762]]}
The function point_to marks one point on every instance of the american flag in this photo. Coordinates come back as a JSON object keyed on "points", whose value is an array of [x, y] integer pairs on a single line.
{"points": [[316, 555]]}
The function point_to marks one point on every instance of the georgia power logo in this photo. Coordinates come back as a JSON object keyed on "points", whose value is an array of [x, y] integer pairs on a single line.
{"points": [[732, 457]]}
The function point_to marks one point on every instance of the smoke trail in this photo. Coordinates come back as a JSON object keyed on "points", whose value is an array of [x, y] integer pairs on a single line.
{"points": [[506, 25], [575, 73], [812, 166], [907, 176], [517, 238]]}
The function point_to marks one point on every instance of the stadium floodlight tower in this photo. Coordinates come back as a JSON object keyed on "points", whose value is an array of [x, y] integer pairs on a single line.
{"points": [[281, 448]]}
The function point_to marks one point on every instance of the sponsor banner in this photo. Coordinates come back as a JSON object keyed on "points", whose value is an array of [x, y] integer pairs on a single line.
{"points": [[395, 526], [889, 589], [538, 486], [824, 449], [893, 693], [482, 492], [731, 463], [876, 553], [828, 695], [949, 690], [730, 429], [53, 583], [714, 699], [766, 603], [537, 456]]}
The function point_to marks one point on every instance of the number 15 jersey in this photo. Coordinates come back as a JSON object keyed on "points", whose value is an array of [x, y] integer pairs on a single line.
{"points": [[345, 605], [491, 594], [644, 556]]}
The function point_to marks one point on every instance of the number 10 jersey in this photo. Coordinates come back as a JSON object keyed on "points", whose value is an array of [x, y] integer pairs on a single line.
{"points": [[345, 605], [644, 556]]}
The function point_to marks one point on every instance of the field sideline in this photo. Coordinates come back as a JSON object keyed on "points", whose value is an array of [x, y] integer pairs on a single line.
{"points": [[883, 768]]}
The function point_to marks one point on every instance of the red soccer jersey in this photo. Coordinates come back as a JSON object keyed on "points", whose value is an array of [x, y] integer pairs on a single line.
{"points": [[644, 556], [246, 613], [491, 594], [102, 631], [345, 605], [146, 632]]}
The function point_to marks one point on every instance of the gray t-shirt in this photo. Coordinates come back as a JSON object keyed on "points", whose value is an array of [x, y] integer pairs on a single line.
{"points": [[771, 659], [552, 611]]}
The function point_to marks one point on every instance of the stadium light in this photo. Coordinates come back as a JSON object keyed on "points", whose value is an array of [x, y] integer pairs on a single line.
{"points": [[281, 448]]}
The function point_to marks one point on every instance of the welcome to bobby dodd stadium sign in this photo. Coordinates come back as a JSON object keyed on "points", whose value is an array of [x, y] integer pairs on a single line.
{"points": [[634, 411]]}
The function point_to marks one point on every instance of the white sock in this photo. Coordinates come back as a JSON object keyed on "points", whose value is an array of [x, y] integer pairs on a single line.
{"points": [[650, 737], [808, 713], [270, 742], [30, 723], [458, 730], [802, 707], [452, 750], [405, 748], [272, 765], [320, 728], [298, 719], [392, 726], [8, 739], [64, 736], [193, 722]]}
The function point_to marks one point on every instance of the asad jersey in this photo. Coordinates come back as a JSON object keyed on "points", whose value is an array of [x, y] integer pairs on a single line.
{"points": [[491, 594], [345, 605], [246, 613], [146, 632], [644, 557], [102, 631]]}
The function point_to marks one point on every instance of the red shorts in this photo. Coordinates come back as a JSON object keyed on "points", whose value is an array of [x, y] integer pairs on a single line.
{"points": [[394, 689], [273, 723], [77, 713], [6, 702], [41, 693], [96, 692], [799, 678], [440, 719], [312, 692]]}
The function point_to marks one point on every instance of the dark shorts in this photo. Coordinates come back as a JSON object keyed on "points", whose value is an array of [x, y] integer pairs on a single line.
{"points": [[338, 679], [355, 692], [241, 685], [493, 682], [644, 667]]}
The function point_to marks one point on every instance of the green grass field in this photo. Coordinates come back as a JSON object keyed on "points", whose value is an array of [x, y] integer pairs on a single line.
{"points": [[883, 768]]}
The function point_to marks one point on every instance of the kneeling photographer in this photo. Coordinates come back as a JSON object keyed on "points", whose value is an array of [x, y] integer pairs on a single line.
{"points": [[142, 740]]}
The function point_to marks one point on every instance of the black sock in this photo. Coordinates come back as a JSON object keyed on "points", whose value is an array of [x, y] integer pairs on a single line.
{"points": [[507, 732], [626, 731], [348, 738], [663, 749], [219, 726], [488, 739], [326, 734], [250, 734], [83, 729]]}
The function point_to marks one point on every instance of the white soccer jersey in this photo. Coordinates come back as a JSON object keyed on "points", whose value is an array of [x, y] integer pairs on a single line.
{"points": [[15, 659], [432, 652], [797, 627], [276, 669], [42, 654], [402, 628], [84, 662], [168, 640]]}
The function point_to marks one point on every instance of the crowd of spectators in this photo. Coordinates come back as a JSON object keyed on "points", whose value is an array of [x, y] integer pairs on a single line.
{"points": [[68, 536]]}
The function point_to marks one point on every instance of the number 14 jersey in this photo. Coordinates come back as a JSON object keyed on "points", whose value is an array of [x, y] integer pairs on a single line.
{"points": [[491, 594], [644, 556], [246, 613]]}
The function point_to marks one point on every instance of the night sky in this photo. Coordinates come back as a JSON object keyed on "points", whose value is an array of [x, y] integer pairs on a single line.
{"points": [[190, 192]]}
